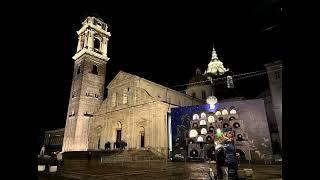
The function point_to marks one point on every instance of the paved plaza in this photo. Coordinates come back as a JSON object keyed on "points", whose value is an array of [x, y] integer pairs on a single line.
{"points": [[81, 169]]}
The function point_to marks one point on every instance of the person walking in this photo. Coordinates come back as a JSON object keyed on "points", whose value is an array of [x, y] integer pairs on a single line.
{"points": [[42, 150]]}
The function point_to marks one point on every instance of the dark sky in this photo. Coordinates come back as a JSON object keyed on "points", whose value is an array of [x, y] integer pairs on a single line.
{"points": [[160, 42]]}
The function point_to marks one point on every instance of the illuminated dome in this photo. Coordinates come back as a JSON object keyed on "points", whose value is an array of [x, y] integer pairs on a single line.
{"points": [[215, 66]]}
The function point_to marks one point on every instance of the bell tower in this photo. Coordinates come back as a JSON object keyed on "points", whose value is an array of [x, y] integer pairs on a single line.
{"points": [[88, 81]]}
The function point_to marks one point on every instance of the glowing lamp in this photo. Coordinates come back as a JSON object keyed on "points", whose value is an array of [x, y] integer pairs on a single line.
{"points": [[219, 133], [212, 100]]}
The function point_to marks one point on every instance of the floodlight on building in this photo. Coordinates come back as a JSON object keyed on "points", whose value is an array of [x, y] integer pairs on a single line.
{"points": [[212, 100]]}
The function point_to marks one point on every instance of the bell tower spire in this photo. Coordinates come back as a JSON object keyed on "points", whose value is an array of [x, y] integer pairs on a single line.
{"points": [[87, 88]]}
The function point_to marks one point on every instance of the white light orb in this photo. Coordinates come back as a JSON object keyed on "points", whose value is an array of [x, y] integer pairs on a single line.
{"points": [[200, 139], [203, 122], [193, 133], [203, 131], [225, 112], [211, 119], [195, 116], [233, 111]]}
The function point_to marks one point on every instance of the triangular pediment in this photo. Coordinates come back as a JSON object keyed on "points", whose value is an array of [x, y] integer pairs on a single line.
{"points": [[121, 78]]}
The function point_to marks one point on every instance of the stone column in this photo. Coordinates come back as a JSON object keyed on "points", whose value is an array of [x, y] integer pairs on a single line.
{"points": [[90, 40], [79, 42], [85, 44], [104, 45]]}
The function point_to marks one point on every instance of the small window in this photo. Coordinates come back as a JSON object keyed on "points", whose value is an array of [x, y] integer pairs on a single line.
{"points": [[203, 94], [125, 96], [114, 99], [78, 71], [94, 70], [96, 43]]}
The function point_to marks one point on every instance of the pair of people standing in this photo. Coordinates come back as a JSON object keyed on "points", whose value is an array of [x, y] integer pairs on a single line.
{"points": [[226, 160]]}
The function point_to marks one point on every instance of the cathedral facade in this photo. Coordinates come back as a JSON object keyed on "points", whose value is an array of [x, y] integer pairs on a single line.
{"points": [[135, 110]]}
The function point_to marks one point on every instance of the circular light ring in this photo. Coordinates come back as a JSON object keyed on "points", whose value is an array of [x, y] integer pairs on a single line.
{"points": [[236, 125], [203, 115], [208, 138], [203, 131], [200, 139], [203, 122], [194, 153], [225, 125], [211, 129], [218, 113], [225, 112], [193, 133], [233, 111], [239, 137], [195, 116], [195, 125], [211, 119], [232, 118], [191, 141]]}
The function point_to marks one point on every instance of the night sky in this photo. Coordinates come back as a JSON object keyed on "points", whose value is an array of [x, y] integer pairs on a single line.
{"points": [[163, 43]]}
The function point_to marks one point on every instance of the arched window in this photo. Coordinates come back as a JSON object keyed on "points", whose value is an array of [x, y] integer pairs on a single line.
{"points": [[125, 96], [200, 139], [195, 116], [94, 69], [211, 119], [203, 122], [96, 43], [203, 131], [114, 99], [78, 71], [203, 94], [203, 115]]}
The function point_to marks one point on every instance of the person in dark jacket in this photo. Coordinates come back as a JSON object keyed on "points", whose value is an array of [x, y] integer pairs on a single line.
{"points": [[230, 153]]}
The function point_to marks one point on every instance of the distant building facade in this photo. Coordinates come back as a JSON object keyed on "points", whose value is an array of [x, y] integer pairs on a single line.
{"points": [[53, 140], [274, 71]]}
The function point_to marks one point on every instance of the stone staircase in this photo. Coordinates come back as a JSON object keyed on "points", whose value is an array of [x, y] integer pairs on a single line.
{"points": [[132, 155]]}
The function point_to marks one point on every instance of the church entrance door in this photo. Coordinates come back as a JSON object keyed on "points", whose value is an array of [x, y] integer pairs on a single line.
{"points": [[142, 140], [118, 135]]}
